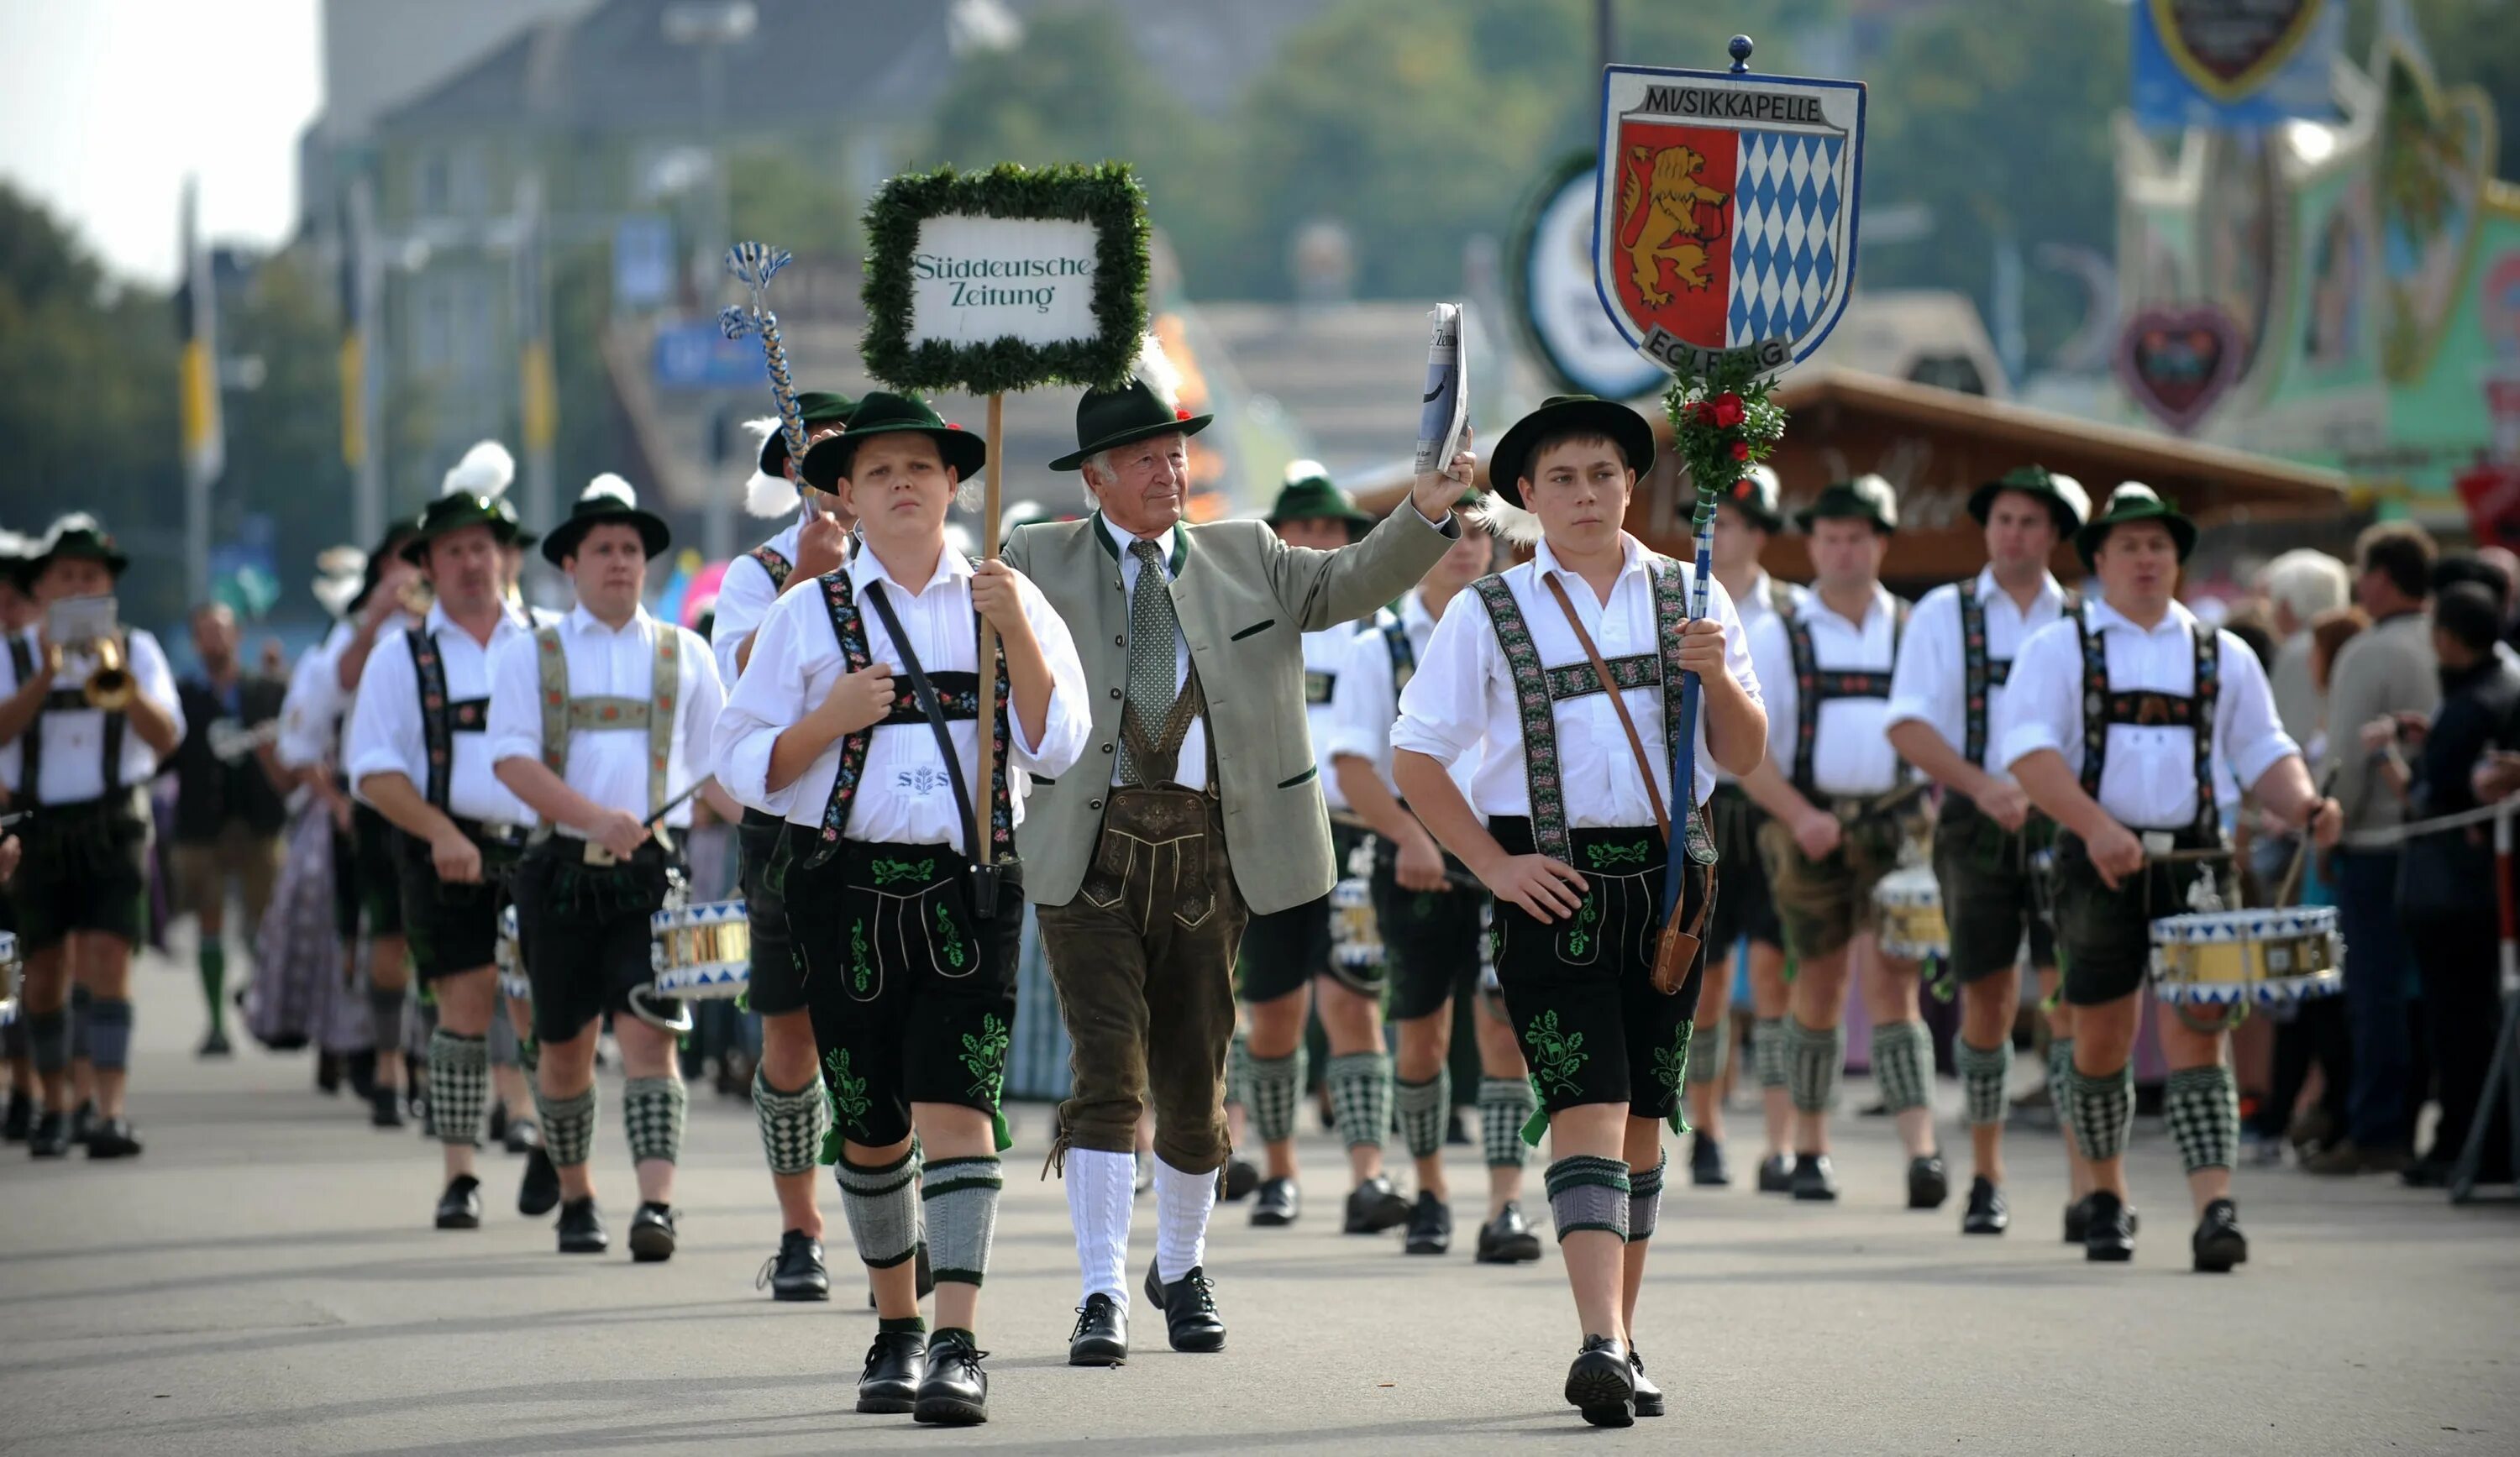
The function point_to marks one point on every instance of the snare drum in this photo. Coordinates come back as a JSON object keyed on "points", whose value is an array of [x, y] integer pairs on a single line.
{"points": [[701, 951], [1355, 938], [1911, 914], [511, 959], [2229, 957]]}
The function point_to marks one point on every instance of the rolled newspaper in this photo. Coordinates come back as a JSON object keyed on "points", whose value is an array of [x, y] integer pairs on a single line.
{"points": [[1446, 411]]}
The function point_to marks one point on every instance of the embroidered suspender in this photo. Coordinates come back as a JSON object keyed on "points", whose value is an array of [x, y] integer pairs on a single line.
{"points": [[1983, 674], [30, 758], [779, 567], [1404, 658], [2102, 707], [563, 714], [440, 717], [1318, 686], [1814, 687]]}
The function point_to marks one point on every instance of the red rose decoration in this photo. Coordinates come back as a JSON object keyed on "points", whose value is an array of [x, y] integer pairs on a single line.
{"points": [[1180, 413], [1740, 449], [1727, 411]]}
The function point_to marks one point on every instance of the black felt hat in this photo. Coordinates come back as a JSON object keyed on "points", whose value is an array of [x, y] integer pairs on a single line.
{"points": [[606, 497], [1107, 419], [1755, 496], [472, 495], [1561, 415], [814, 406], [76, 536], [1867, 498], [2133, 501], [882, 412], [1310, 495], [2064, 496]]}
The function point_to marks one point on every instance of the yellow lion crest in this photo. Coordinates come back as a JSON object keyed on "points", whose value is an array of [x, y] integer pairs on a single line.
{"points": [[1671, 223]]}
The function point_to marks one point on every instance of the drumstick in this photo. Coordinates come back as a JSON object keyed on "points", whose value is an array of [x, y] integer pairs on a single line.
{"points": [[2301, 851], [674, 804]]}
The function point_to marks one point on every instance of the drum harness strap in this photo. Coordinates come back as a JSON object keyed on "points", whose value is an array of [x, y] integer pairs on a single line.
{"points": [[607, 891], [1815, 685], [1981, 674]]}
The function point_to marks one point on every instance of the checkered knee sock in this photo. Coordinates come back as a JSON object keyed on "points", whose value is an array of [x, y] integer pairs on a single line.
{"points": [[1772, 1051], [882, 1206], [792, 1124], [1506, 1104], [653, 1110], [1423, 1105], [959, 1198], [1903, 1060], [1644, 1200], [2202, 1106], [2102, 1108], [1277, 1086], [1361, 1096], [1711, 1054], [1984, 1073], [1588, 1192], [568, 1127], [459, 1086], [1815, 1063], [2060, 1084]]}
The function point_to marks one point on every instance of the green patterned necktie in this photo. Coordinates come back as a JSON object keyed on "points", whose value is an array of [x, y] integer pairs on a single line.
{"points": [[1153, 685]]}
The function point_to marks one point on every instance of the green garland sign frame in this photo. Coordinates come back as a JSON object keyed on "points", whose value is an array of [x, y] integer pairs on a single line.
{"points": [[1105, 197]]}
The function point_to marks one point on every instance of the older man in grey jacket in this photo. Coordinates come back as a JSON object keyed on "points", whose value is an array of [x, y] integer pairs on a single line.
{"points": [[2380, 674]]}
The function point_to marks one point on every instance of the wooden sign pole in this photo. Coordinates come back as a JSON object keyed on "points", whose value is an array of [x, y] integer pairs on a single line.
{"points": [[985, 852]]}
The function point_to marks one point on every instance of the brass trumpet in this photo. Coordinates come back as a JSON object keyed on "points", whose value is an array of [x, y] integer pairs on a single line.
{"points": [[110, 685]]}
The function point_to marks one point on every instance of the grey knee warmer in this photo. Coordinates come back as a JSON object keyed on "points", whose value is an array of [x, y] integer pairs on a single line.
{"points": [[1816, 1064], [1423, 1105], [1771, 1052], [2102, 1109], [1360, 1084], [1984, 1073], [960, 1198], [1712, 1052], [568, 1127], [792, 1124], [882, 1208], [1644, 1200], [1903, 1060], [1587, 1192], [1506, 1104], [108, 1034], [1277, 1086]]}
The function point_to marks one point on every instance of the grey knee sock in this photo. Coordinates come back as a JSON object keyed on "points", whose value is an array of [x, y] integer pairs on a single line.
{"points": [[882, 1206], [792, 1124], [1238, 1069], [1277, 1086], [1587, 1192], [1423, 1105], [1771, 1052], [48, 1040], [1815, 1064], [652, 1115], [386, 1013], [108, 1034], [959, 1198], [2202, 1106], [568, 1127], [1644, 1200], [1711, 1054], [1902, 1062], [1984, 1072], [2102, 1108], [459, 1086], [1361, 1096], [80, 1004], [1506, 1104]]}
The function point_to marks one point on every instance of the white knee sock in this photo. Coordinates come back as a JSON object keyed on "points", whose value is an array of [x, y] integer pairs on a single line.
{"points": [[1101, 1187], [1182, 1203]]}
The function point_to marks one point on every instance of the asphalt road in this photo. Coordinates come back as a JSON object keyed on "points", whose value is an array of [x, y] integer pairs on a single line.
{"points": [[265, 1281]]}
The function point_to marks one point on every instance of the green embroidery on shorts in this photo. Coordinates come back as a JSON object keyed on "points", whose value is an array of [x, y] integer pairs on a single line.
{"points": [[1579, 937], [1603, 857], [885, 872], [1671, 1064], [949, 938], [848, 1094], [986, 1055], [1557, 1058], [861, 967]]}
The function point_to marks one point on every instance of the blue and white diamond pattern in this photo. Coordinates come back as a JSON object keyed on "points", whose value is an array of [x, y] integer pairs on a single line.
{"points": [[1789, 234]]}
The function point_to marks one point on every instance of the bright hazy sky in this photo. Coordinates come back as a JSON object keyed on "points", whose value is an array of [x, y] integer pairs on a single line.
{"points": [[105, 104]]}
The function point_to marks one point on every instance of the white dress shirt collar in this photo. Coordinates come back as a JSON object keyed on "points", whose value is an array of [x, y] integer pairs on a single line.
{"points": [[437, 621], [1175, 543], [2177, 620], [867, 567], [580, 620], [1632, 558], [1813, 606], [1989, 589]]}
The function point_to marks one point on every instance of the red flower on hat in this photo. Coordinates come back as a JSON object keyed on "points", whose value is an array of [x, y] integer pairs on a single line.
{"points": [[953, 424], [1179, 414]]}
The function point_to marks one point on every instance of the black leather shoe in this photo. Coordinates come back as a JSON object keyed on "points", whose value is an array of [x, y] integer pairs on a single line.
{"points": [[1507, 1239], [1242, 1176], [1986, 1214], [51, 1137], [2077, 1220], [20, 1119], [1374, 1206], [82, 1122], [522, 1136], [359, 1069], [328, 1074], [384, 1107], [581, 1228], [538, 1192], [1814, 1181], [1930, 1182], [1648, 1395], [2108, 1234], [651, 1233], [1101, 1334], [1601, 1384], [895, 1364], [1189, 1305], [1706, 1168], [214, 1045], [1276, 1204], [795, 1272], [2218, 1243], [460, 1206], [1430, 1226], [1776, 1174], [955, 1392], [111, 1139]]}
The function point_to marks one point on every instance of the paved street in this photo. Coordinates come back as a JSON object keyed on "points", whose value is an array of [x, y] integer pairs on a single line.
{"points": [[265, 1281]]}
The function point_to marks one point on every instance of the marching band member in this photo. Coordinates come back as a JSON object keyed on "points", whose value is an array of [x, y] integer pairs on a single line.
{"points": [[1435, 930], [513, 1049], [228, 813], [83, 727], [1745, 912], [2184, 707], [598, 723], [909, 950], [1833, 786], [419, 755], [787, 1086], [1287, 953], [1953, 664], [17, 613], [1572, 785]]}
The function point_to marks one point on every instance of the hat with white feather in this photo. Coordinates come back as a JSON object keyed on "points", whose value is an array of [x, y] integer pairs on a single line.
{"points": [[77, 535], [470, 497], [1148, 406], [606, 499], [340, 572]]}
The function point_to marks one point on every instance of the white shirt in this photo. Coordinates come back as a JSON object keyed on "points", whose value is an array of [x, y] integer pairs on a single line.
{"points": [[904, 796], [743, 597], [1755, 608], [610, 766], [74, 746], [1851, 754], [385, 736], [1326, 654], [1463, 696], [311, 713], [2149, 782], [1192, 765], [1930, 684], [1364, 707]]}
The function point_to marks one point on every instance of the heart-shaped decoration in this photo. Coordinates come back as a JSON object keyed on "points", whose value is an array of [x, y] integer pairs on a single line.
{"points": [[2176, 363], [2228, 48], [2436, 152]]}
